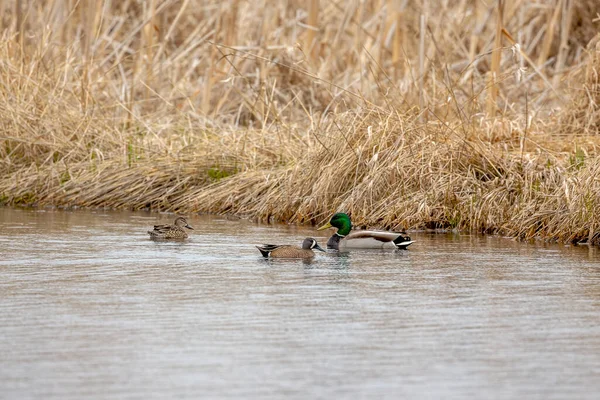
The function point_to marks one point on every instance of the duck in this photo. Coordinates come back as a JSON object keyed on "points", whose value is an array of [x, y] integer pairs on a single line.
{"points": [[287, 251], [362, 239], [174, 231]]}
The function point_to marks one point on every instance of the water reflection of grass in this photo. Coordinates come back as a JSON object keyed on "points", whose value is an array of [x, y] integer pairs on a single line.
{"points": [[388, 113]]}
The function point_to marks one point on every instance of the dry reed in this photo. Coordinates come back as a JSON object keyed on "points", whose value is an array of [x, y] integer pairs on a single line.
{"points": [[291, 111]]}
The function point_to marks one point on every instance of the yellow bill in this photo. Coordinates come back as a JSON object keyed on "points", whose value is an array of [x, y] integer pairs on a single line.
{"points": [[327, 225]]}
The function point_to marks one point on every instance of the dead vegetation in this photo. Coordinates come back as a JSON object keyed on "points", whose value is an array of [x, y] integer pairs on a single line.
{"points": [[453, 114]]}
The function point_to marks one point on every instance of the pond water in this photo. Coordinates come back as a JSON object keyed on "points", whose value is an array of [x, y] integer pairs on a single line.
{"points": [[92, 308]]}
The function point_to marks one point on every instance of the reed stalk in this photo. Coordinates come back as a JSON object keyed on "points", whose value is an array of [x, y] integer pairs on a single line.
{"points": [[494, 74], [397, 42], [311, 33], [148, 35], [422, 33], [550, 31]]}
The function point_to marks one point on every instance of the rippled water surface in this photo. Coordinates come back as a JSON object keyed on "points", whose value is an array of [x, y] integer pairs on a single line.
{"points": [[91, 308]]}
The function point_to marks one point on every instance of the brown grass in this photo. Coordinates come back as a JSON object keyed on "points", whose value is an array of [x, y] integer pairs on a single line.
{"points": [[294, 110]]}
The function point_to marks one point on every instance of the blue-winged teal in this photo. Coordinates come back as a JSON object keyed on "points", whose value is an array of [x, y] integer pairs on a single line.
{"points": [[286, 251], [343, 239], [174, 231]]}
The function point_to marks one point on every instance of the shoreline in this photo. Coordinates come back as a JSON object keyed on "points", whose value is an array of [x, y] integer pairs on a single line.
{"points": [[232, 217]]}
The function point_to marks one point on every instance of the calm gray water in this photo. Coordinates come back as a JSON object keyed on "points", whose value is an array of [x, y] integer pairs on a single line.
{"points": [[91, 308]]}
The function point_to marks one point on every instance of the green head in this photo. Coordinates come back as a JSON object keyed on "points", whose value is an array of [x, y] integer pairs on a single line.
{"points": [[340, 221]]}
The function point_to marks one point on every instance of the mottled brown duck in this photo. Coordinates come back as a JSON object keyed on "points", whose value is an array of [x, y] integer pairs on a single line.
{"points": [[287, 251], [175, 231]]}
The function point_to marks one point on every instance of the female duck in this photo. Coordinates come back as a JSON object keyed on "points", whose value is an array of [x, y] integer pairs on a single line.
{"points": [[343, 239], [174, 231], [279, 251]]}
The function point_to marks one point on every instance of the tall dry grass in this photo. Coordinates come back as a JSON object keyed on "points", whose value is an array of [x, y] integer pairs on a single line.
{"points": [[453, 114]]}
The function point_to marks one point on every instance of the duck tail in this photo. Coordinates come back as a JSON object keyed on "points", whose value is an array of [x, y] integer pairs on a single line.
{"points": [[401, 238], [263, 251], [402, 242]]}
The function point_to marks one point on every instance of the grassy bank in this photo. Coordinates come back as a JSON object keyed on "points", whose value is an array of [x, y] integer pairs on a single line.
{"points": [[422, 116]]}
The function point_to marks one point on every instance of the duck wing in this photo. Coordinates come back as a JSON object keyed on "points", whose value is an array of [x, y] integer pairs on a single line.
{"points": [[266, 249], [377, 239], [162, 230], [381, 236]]}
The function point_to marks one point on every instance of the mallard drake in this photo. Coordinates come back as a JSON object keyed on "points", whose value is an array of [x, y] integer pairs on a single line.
{"points": [[174, 231], [343, 239], [287, 251]]}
